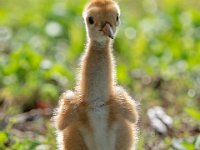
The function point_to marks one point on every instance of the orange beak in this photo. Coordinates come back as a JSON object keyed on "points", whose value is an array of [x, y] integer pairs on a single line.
{"points": [[108, 31]]}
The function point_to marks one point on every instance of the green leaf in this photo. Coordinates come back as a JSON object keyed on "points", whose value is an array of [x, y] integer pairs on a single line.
{"points": [[193, 113], [3, 137], [188, 146]]}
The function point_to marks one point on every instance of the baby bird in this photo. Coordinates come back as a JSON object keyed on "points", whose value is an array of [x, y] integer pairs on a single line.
{"points": [[98, 114]]}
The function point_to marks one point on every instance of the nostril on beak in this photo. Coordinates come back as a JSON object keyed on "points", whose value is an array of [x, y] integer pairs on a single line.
{"points": [[104, 24]]}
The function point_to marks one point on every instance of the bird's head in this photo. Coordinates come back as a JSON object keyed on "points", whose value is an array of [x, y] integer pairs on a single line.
{"points": [[101, 18]]}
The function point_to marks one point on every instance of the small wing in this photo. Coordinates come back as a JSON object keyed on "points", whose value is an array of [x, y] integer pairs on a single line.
{"points": [[67, 110], [126, 106]]}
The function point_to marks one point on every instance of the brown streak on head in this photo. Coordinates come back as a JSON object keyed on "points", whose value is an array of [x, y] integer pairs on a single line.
{"points": [[98, 3], [101, 4]]}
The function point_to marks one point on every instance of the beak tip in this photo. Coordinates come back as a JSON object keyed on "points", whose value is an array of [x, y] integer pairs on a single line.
{"points": [[111, 36]]}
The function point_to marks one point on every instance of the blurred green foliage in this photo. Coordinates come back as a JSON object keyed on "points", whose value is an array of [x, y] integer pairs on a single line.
{"points": [[157, 50]]}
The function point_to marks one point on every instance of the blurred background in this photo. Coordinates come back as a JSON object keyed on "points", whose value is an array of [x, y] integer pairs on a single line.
{"points": [[157, 50]]}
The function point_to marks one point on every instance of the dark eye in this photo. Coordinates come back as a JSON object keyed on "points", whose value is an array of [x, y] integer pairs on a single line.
{"points": [[117, 19], [91, 20]]}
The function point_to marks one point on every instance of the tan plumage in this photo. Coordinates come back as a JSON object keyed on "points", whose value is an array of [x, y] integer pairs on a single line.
{"points": [[98, 115]]}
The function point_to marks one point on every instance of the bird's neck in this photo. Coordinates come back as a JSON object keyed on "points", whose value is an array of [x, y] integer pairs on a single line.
{"points": [[97, 77]]}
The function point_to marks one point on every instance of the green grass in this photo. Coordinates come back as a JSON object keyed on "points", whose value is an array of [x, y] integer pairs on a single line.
{"points": [[157, 51]]}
